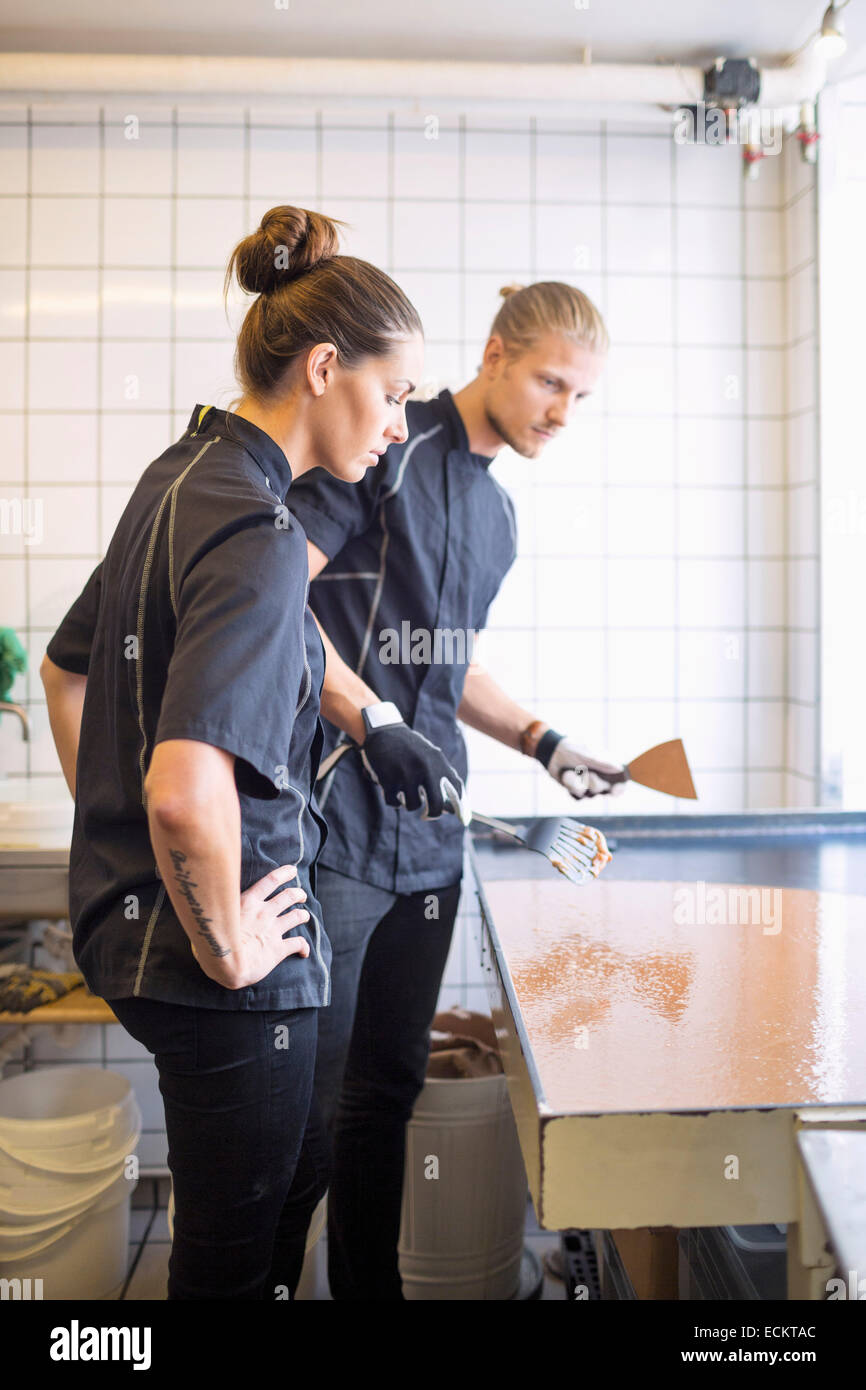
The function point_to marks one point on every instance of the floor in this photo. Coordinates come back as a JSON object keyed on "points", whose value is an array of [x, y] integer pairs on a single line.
{"points": [[149, 1247]]}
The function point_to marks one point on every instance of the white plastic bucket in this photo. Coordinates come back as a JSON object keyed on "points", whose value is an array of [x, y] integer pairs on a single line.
{"points": [[65, 1136], [67, 1118], [83, 1258], [464, 1193], [306, 1290], [26, 1194]]}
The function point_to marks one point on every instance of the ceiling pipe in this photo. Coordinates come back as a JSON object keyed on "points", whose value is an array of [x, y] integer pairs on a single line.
{"points": [[350, 79]]}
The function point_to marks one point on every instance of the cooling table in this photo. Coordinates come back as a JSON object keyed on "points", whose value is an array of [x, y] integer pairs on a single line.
{"points": [[672, 1035]]}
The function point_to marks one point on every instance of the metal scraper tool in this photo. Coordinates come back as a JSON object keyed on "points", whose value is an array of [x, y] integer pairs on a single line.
{"points": [[578, 851], [665, 768]]}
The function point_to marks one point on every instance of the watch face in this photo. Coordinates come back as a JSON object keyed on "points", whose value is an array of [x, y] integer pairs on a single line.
{"points": [[378, 716]]}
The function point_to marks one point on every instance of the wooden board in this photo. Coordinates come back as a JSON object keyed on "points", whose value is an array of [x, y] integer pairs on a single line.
{"points": [[78, 1006], [634, 998]]}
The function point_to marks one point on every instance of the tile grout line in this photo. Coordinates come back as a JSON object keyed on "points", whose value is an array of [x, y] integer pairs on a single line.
{"points": [[533, 263], [786, 508], [173, 270], [140, 1251], [675, 460], [461, 228], [605, 432], [100, 341], [390, 197], [629, 343], [744, 416], [550, 268], [26, 441], [247, 183], [817, 536]]}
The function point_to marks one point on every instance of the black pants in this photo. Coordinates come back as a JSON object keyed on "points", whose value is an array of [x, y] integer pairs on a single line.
{"points": [[237, 1087], [389, 955]]}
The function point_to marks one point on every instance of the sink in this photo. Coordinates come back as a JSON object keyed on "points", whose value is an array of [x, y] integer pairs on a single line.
{"points": [[35, 813], [35, 832]]}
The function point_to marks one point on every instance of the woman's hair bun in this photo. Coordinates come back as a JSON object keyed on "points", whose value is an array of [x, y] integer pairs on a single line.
{"points": [[510, 289], [289, 242]]}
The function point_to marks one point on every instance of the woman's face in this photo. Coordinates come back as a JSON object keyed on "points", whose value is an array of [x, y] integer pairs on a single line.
{"points": [[363, 410]]}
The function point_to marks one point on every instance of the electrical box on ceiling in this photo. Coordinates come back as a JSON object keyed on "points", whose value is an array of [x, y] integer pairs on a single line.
{"points": [[732, 82], [730, 86]]}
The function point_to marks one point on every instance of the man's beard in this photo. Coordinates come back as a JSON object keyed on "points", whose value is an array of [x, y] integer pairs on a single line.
{"points": [[505, 433]]}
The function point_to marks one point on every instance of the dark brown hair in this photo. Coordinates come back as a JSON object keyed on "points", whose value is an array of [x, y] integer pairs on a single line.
{"points": [[548, 306], [307, 294]]}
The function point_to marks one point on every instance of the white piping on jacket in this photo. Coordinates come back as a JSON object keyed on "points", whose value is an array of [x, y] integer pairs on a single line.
{"points": [[139, 679], [380, 582]]}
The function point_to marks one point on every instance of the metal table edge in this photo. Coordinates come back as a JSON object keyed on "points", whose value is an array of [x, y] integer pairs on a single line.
{"points": [[545, 1111]]}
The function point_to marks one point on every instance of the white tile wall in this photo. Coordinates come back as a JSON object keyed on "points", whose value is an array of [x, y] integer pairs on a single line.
{"points": [[667, 576], [800, 678], [679, 493]]}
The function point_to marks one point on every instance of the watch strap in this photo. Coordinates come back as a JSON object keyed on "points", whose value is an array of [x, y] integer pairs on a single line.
{"points": [[546, 745]]}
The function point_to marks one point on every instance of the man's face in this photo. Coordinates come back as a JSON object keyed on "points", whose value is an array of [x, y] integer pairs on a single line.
{"points": [[529, 399]]}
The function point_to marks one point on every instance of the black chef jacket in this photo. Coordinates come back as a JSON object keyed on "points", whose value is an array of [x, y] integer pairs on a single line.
{"points": [[420, 546], [195, 626]]}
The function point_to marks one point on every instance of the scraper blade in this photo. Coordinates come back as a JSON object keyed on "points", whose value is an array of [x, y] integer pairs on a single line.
{"points": [[665, 768]]}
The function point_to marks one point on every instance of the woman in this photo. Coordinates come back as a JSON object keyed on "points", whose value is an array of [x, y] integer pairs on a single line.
{"points": [[183, 691]]}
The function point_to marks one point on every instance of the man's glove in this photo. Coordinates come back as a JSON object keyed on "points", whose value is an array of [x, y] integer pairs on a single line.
{"points": [[411, 770], [577, 770]]}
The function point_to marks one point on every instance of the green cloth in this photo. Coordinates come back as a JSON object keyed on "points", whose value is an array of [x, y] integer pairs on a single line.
{"points": [[13, 659]]}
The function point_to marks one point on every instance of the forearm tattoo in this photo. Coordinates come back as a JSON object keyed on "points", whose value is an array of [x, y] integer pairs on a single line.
{"points": [[186, 885]]}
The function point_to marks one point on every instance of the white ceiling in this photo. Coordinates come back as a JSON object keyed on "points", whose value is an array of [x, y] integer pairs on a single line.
{"points": [[505, 30]]}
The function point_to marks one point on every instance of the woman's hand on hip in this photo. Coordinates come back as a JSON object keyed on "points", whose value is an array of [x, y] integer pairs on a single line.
{"points": [[263, 921]]}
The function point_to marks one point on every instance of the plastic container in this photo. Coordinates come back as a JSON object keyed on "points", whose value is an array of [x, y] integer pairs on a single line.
{"points": [[83, 1258], [65, 1136], [28, 1194], [464, 1193], [614, 1281], [67, 1119], [759, 1240], [742, 1263], [306, 1289]]}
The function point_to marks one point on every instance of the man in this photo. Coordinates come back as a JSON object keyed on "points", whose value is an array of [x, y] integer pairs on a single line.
{"points": [[406, 565]]}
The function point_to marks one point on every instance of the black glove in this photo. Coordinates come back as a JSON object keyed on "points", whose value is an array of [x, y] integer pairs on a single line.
{"points": [[412, 771]]}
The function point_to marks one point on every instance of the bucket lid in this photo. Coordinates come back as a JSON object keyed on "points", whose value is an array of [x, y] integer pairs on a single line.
{"points": [[72, 1160], [60, 1096], [20, 1205], [52, 1229], [40, 1243]]}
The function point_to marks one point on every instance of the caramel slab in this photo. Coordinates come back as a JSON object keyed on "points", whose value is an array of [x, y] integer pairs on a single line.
{"points": [[661, 996]]}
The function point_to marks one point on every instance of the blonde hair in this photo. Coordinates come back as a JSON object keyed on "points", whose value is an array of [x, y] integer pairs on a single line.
{"points": [[548, 306]]}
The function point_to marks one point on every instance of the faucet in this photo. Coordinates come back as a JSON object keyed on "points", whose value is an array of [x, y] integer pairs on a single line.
{"points": [[6, 707]]}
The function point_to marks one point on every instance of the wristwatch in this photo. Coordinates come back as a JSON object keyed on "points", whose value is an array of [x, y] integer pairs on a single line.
{"points": [[379, 716]]}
